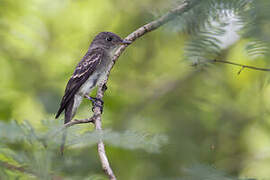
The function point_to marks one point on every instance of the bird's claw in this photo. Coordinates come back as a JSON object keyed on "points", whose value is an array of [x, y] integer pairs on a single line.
{"points": [[97, 103]]}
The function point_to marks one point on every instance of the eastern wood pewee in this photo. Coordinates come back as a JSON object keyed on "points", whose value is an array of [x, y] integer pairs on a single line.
{"points": [[89, 72]]}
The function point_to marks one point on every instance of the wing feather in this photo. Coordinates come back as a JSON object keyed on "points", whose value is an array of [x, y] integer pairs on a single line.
{"points": [[84, 69]]}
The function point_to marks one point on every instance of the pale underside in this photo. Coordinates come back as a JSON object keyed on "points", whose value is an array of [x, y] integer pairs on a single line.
{"points": [[86, 88]]}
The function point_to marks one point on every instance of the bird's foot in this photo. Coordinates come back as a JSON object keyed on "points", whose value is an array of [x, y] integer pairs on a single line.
{"points": [[96, 102]]}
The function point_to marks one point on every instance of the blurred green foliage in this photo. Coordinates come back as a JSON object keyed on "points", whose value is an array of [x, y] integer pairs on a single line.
{"points": [[163, 118]]}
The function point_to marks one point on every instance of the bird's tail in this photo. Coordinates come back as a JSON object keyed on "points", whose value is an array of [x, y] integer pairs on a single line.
{"points": [[68, 117]]}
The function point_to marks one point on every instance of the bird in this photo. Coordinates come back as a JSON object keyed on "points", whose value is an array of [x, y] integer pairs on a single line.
{"points": [[89, 73]]}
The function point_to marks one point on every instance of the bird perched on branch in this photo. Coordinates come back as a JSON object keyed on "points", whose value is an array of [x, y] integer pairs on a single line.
{"points": [[90, 72]]}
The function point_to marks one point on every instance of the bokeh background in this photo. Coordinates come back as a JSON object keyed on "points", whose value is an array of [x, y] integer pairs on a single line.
{"points": [[164, 118]]}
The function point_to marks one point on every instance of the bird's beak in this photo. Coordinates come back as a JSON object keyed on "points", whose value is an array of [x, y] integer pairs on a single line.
{"points": [[125, 42]]}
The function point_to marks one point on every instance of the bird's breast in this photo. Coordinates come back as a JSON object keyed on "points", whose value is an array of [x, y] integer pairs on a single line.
{"points": [[97, 77], [89, 84]]}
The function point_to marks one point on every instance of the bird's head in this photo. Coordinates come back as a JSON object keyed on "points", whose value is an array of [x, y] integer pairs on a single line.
{"points": [[108, 40]]}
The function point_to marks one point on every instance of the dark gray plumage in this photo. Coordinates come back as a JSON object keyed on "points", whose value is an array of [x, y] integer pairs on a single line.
{"points": [[89, 72]]}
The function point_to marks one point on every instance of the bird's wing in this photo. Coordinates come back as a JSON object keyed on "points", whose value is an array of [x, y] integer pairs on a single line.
{"points": [[84, 69]]}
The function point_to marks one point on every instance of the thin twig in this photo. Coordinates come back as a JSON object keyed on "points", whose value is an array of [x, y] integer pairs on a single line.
{"points": [[79, 121], [241, 65], [71, 123]]}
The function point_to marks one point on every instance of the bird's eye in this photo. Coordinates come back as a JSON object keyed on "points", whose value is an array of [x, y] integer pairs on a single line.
{"points": [[109, 38]]}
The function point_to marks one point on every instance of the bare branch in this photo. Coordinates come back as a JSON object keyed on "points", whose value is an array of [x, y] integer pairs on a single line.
{"points": [[98, 125], [79, 121], [183, 7], [241, 65]]}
